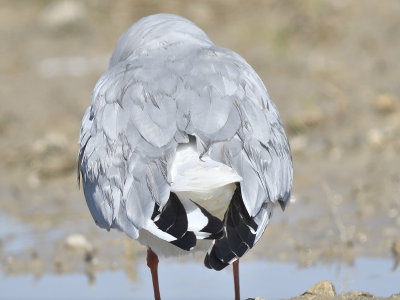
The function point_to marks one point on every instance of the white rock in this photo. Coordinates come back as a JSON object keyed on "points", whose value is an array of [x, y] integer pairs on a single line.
{"points": [[78, 241]]}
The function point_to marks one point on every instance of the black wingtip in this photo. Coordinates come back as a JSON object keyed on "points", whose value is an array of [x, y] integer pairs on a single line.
{"points": [[172, 219], [207, 261], [282, 204], [238, 236], [211, 261], [284, 201], [214, 226], [186, 242], [215, 236]]}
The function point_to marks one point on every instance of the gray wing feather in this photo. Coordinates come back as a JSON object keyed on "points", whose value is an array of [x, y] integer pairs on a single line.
{"points": [[239, 125], [127, 142], [166, 80]]}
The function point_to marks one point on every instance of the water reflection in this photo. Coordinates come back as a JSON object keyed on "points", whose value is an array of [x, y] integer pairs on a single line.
{"points": [[78, 273], [192, 280]]}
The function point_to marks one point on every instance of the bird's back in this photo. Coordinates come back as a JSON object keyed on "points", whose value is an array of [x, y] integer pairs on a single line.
{"points": [[167, 82]]}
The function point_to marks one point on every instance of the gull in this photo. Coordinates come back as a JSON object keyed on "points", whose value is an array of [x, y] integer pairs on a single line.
{"points": [[182, 148]]}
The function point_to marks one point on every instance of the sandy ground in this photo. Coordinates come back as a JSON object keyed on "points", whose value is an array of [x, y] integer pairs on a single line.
{"points": [[331, 67]]}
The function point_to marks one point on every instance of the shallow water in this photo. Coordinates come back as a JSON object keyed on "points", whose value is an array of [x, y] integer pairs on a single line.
{"points": [[16, 236], [183, 280]]}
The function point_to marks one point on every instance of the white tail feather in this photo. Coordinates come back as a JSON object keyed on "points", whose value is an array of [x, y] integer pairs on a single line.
{"points": [[204, 181]]}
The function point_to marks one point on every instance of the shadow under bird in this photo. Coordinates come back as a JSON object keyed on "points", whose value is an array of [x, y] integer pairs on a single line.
{"points": [[182, 148]]}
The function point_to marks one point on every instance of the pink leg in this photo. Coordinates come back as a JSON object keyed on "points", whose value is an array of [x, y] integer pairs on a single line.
{"points": [[152, 263], [236, 279]]}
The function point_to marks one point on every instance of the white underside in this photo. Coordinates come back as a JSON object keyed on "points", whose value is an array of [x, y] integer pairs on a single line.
{"points": [[208, 183], [190, 173]]}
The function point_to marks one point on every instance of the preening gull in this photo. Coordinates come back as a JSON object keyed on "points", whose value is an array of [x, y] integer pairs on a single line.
{"points": [[181, 147]]}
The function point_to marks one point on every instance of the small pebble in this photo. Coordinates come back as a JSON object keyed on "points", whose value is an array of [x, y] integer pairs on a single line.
{"points": [[386, 103], [353, 294], [78, 241], [375, 137]]}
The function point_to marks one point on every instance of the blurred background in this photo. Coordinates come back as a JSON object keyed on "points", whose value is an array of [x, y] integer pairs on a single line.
{"points": [[331, 67]]}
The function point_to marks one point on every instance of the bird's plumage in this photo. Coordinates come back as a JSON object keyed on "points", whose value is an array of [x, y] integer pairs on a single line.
{"points": [[166, 83]]}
